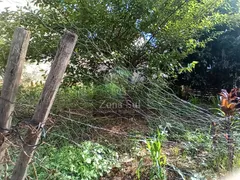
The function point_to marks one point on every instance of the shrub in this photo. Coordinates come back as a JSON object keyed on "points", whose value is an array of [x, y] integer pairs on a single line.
{"points": [[88, 161]]}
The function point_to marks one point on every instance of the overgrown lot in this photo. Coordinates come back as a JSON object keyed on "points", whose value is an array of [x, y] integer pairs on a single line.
{"points": [[95, 132]]}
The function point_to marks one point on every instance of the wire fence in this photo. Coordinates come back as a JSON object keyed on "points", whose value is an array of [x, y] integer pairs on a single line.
{"points": [[121, 107]]}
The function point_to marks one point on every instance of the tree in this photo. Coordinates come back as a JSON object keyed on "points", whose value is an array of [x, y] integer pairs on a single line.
{"points": [[137, 34], [218, 65]]}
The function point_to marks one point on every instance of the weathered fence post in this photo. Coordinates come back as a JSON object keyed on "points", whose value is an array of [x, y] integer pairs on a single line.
{"points": [[43, 108], [11, 82]]}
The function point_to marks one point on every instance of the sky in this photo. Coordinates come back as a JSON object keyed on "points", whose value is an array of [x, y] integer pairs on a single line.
{"points": [[12, 4]]}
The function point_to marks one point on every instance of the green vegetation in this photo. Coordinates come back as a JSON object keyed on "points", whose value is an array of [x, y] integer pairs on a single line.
{"points": [[159, 160], [67, 151], [86, 161], [118, 113], [131, 34]]}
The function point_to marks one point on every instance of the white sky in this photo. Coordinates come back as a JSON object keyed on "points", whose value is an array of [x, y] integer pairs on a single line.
{"points": [[12, 4]]}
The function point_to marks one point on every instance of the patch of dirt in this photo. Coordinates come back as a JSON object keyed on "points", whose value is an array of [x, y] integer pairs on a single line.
{"points": [[128, 169], [121, 132]]}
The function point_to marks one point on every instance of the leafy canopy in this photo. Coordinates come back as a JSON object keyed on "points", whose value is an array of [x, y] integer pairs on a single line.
{"points": [[136, 34], [218, 63]]}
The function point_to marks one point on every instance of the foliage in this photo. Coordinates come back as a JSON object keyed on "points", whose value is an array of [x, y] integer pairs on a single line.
{"points": [[237, 159], [218, 158], [8, 22], [89, 161], [194, 100], [107, 93], [151, 35], [218, 65], [154, 146], [75, 97], [70, 98], [189, 67], [196, 142]]}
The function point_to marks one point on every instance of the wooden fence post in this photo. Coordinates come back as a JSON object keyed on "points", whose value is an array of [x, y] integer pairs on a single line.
{"points": [[11, 82], [43, 108]]}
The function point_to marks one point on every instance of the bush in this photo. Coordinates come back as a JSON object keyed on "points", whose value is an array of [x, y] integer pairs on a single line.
{"points": [[88, 161]]}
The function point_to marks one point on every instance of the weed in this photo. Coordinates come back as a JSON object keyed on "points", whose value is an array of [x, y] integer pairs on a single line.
{"points": [[176, 151], [86, 162], [154, 146], [194, 100], [196, 142]]}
